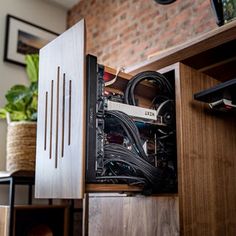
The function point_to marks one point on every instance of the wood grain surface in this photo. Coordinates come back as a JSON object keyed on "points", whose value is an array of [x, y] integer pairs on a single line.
{"points": [[206, 160], [112, 188], [133, 216], [4, 223], [61, 117]]}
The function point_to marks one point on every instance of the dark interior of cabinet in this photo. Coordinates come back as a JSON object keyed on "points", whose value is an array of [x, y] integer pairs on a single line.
{"points": [[145, 93], [219, 62], [40, 220]]}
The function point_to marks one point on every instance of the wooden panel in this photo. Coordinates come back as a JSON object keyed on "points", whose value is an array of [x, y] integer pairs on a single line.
{"points": [[4, 216], [113, 72], [222, 71], [61, 117], [133, 216], [112, 188], [213, 56], [207, 167]]}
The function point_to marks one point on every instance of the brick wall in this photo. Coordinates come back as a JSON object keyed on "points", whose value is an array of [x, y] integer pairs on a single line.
{"points": [[124, 32]]}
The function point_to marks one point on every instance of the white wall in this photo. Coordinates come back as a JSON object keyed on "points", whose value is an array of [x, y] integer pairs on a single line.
{"points": [[39, 12]]}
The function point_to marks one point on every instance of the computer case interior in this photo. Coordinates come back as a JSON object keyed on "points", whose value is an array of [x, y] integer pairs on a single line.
{"points": [[131, 130]]}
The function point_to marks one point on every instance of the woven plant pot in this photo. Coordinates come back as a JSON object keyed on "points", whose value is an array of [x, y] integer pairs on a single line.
{"points": [[21, 146]]}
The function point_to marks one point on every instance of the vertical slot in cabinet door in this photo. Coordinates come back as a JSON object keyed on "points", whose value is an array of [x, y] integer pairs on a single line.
{"points": [[61, 116]]}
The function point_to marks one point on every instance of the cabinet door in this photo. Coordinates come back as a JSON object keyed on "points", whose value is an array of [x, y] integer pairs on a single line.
{"points": [[119, 215], [61, 116]]}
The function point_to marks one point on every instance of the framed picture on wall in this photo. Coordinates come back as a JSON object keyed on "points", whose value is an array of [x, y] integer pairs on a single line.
{"points": [[23, 37]]}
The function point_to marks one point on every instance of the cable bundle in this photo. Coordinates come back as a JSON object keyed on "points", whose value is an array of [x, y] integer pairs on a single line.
{"points": [[130, 129], [140, 168], [128, 164], [126, 161], [163, 84]]}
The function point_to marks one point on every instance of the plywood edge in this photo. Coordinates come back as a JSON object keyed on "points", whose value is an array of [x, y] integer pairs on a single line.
{"points": [[112, 188], [114, 72], [84, 77], [179, 139], [4, 217]]}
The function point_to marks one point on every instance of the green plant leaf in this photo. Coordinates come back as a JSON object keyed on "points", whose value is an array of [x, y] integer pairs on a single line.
{"points": [[18, 116], [17, 93], [34, 88], [22, 100], [10, 107], [18, 87], [32, 66], [3, 113], [34, 102]]}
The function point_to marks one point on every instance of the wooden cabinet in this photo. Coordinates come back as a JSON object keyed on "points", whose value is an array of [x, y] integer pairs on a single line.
{"points": [[205, 139], [206, 145], [206, 169], [206, 200]]}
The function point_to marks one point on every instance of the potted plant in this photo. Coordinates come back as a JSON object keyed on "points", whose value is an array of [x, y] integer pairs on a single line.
{"points": [[20, 112]]}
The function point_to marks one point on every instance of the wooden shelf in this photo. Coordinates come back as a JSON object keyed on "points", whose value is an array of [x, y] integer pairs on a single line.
{"points": [[112, 188]]}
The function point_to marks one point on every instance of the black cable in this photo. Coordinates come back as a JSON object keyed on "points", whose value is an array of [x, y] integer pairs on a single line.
{"points": [[162, 82], [119, 160], [122, 177], [130, 129], [133, 165], [117, 151]]}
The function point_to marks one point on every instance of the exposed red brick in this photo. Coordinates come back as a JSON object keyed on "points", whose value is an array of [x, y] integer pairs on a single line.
{"points": [[123, 32]]}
